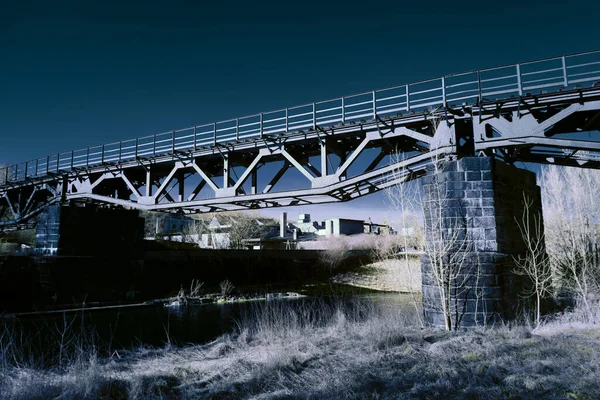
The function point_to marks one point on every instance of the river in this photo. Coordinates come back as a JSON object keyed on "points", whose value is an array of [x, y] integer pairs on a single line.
{"points": [[132, 327]]}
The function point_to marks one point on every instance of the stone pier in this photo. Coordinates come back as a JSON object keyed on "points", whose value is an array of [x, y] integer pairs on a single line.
{"points": [[88, 230], [472, 209]]}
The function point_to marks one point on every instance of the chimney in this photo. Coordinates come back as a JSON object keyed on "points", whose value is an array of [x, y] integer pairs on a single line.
{"points": [[282, 224]]}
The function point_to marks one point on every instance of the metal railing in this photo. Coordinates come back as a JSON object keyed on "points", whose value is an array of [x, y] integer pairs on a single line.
{"points": [[552, 74]]}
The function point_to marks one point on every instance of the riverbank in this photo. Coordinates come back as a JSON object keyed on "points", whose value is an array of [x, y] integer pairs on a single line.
{"points": [[37, 283], [329, 352], [392, 275]]}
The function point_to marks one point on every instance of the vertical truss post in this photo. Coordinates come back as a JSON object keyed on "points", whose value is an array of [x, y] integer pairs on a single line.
{"points": [[518, 67], [149, 181], [324, 158], [254, 181], [181, 181], [564, 69], [225, 171]]}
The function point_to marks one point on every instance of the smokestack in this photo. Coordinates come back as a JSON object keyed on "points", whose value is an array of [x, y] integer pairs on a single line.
{"points": [[282, 224]]}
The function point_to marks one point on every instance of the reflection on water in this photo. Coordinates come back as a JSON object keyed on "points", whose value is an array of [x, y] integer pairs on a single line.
{"points": [[156, 325]]}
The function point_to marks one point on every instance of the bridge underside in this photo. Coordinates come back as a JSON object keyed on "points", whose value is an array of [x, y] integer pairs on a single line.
{"points": [[325, 163]]}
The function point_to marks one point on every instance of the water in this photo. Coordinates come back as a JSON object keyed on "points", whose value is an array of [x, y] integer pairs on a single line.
{"points": [[131, 327]]}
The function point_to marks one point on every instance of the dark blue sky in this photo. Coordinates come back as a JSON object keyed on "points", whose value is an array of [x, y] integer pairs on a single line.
{"points": [[75, 74]]}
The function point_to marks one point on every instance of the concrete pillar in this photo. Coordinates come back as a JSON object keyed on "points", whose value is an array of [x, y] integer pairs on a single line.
{"points": [[471, 208]]}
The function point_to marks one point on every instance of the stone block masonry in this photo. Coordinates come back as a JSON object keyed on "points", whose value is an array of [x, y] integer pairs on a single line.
{"points": [[472, 208], [88, 230]]}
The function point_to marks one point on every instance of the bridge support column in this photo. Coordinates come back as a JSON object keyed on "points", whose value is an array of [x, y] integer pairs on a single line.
{"points": [[472, 208], [88, 231]]}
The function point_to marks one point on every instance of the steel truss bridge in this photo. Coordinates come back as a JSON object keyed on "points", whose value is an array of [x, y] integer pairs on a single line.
{"points": [[543, 111]]}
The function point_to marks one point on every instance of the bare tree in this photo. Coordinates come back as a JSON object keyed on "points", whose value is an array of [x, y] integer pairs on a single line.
{"points": [[243, 226], [404, 199], [572, 216], [446, 247], [534, 264], [444, 234]]}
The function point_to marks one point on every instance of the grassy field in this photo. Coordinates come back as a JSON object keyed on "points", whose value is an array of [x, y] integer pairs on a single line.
{"points": [[365, 352]]}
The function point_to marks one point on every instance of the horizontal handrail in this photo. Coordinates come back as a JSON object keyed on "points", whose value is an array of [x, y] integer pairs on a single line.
{"points": [[564, 71]]}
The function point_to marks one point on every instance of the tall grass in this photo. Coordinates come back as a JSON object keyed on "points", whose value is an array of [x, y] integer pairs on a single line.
{"points": [[318, 349]]}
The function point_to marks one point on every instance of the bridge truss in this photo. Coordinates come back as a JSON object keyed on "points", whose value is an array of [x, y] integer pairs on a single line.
{"points": [[545, 111]]}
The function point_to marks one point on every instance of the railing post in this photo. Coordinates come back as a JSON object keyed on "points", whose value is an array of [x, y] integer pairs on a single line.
{"points": [[120, 150], [314, 116], [154, 145], [173, 142], [102, 156], [26, 167], [136, 147], [443, 91], [374, 106], [407, 100], [343, 112], [261, 125], [195, 141], [215, 133], [37, 164], [47, 164], [564, 68], [287, 122], [57, 162], [237, 129], [479, 85], [480, 98], [72, 158], [519, 79]]}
